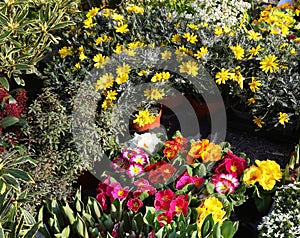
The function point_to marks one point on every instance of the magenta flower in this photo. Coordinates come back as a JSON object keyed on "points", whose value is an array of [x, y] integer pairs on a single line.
{"points": [[186, 179], [180, 204], [163, 199], [225, 183], [118, 191], [134, 204], [119, 164], [102, 200], [165, 218], [232, 164]]}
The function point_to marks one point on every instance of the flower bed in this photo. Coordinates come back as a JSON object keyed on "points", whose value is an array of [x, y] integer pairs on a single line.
{"points": [[154, 184]]}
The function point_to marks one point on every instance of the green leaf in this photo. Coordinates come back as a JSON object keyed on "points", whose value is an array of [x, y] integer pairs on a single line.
{"points": [[149, 216], [32, 232], [18, 173], [62, 25], [11, 181], [227, 229], [2, 187], [139, 221], [1, 232], [80, 227], [210, 187], [263, 204], [207, 226], [23, 14], [23, 67], [217, 231], [4, 20], [4, 82], [66, 232], [9, 121], [29, 219], [69, 214]]}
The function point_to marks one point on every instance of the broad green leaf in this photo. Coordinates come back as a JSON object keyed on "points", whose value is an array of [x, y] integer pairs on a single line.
{"points": [[149, 216], [4, 82], [29, 219], [80, 227], [33, 230], [217, 230], [9, 121], [11, 181], [68, 213], [207, 226], [20, 174], [66, 232], [227, 229]]}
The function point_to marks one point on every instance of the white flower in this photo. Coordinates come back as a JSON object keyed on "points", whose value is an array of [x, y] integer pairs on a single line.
{"points": [[147, 141]]}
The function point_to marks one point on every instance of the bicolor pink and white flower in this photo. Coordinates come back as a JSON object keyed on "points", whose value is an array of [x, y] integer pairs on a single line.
{"points": [[225, 183], [134, 170]]}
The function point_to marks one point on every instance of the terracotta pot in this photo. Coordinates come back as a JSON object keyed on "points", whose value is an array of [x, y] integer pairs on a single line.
{"points": [[150, 126], [200, 108]]}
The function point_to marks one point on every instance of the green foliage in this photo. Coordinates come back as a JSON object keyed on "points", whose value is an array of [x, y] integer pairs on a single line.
{"points": [[50, 141], [27, 29], [79, 220], [15, 221]]}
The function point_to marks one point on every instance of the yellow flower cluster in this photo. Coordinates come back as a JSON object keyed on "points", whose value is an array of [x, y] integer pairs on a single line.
{"points": [[154, 93], [266, 173], [233, 74], [190, 67], [160, 77], [143, 118], [88, 22], [135, 9], [211, 205], [278, 20], [65, 51]]}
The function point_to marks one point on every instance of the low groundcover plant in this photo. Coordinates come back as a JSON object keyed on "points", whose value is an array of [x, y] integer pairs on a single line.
{"points": [[284, 219]]}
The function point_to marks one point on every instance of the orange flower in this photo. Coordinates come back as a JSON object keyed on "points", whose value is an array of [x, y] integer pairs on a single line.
{"points": [[198, 148]]}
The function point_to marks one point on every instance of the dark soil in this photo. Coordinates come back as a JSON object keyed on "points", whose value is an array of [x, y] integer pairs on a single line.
{"points": [[259, 145]]}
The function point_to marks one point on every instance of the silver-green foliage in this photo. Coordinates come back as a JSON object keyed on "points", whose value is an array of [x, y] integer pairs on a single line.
{"points": [[27, 29]]}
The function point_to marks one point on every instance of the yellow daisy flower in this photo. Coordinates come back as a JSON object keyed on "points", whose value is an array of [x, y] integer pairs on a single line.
{"points": [[254, 85], [283, 118], [269, 63]]}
